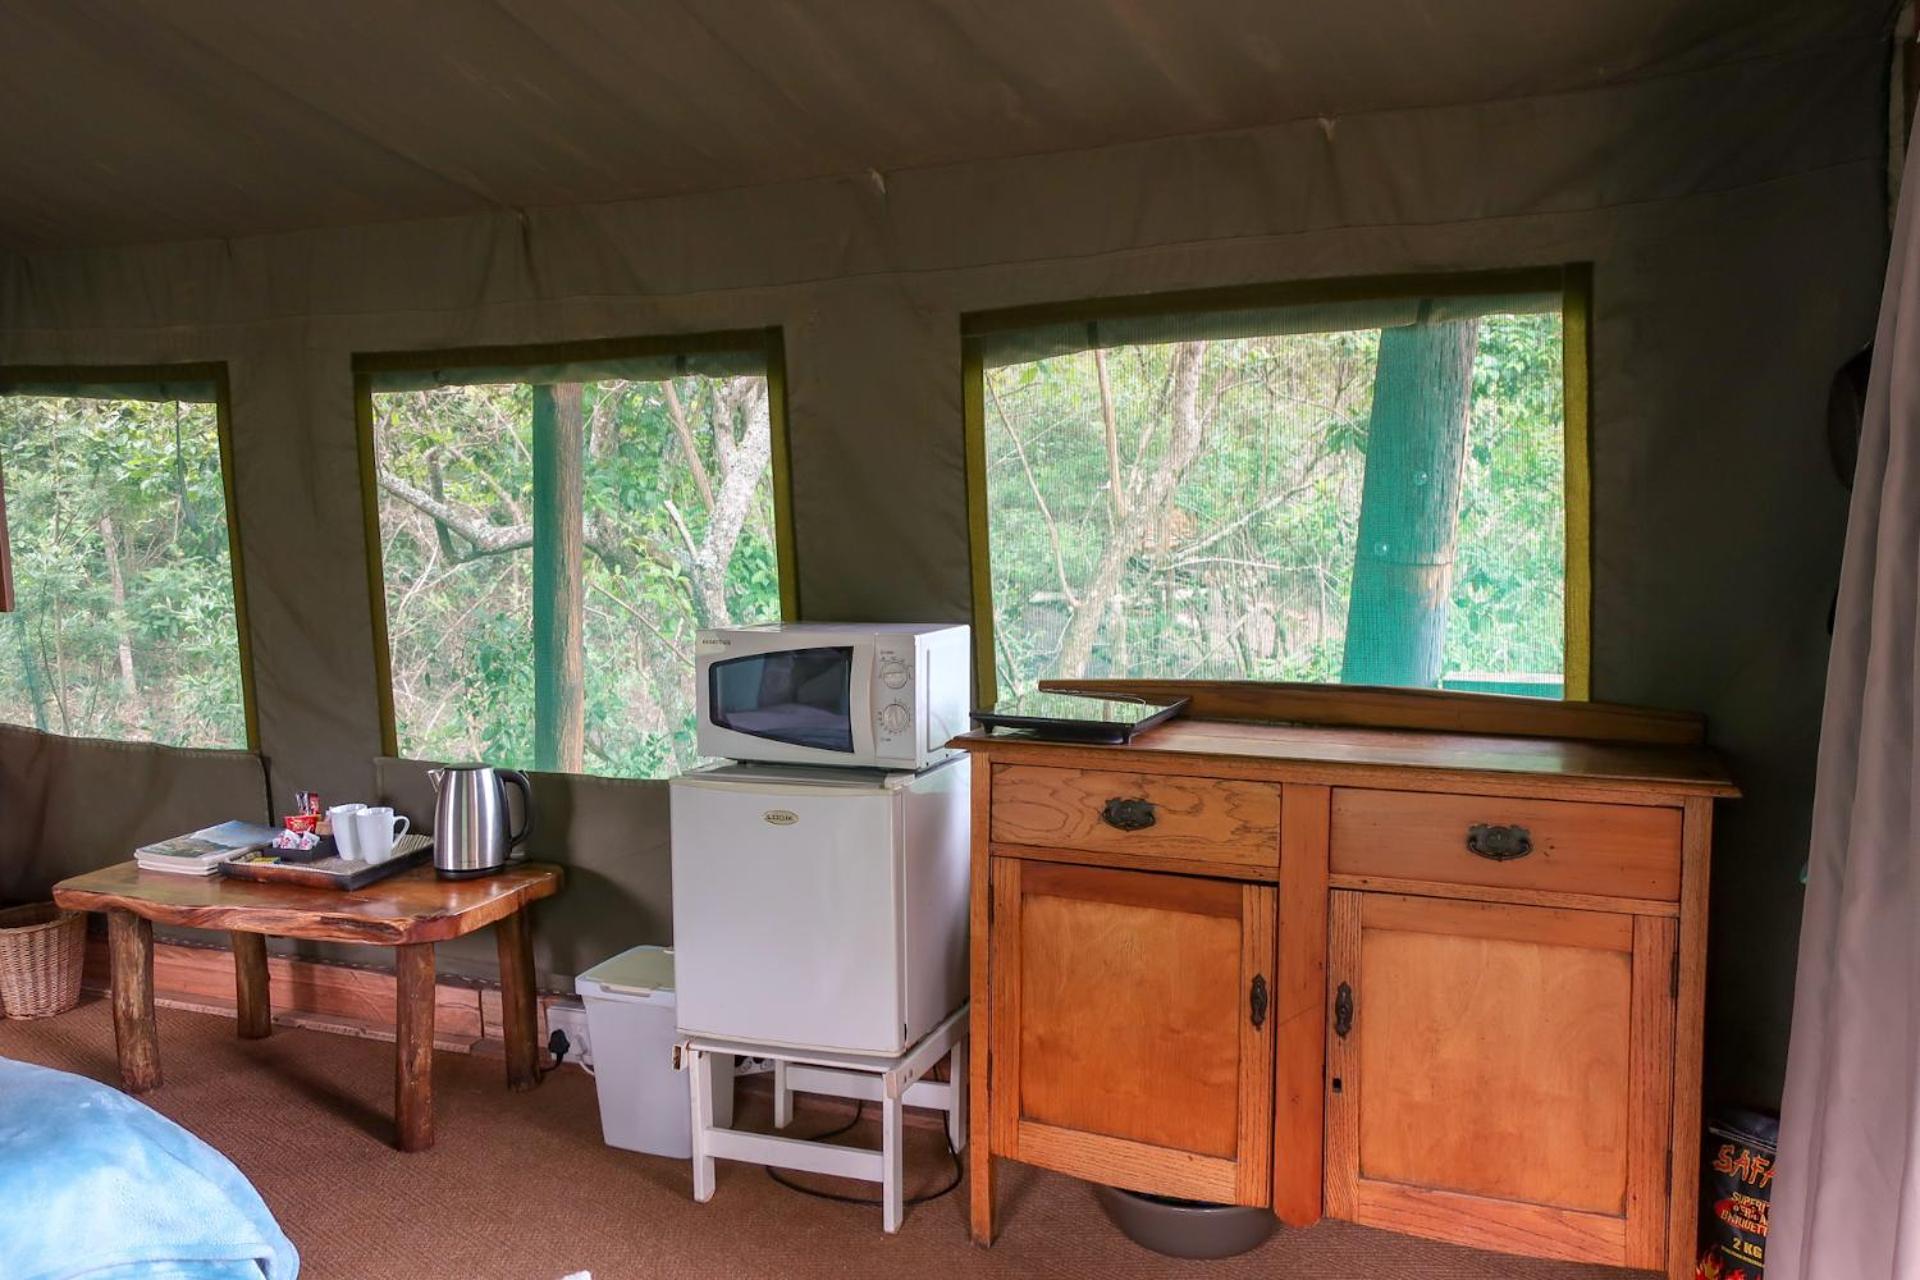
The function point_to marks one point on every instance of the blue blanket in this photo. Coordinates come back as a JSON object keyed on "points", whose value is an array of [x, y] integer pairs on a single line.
{"points": [[94, 1184]]}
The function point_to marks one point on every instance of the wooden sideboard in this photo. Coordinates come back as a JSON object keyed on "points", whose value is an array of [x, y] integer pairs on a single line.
{"points": [[1438, 982]]}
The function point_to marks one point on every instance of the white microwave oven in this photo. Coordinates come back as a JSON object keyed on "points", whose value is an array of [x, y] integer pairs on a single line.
{"points": [[873, 695]]}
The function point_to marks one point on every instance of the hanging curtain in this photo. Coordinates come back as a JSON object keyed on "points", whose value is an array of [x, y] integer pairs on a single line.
{"points": [[1846, 1202]]}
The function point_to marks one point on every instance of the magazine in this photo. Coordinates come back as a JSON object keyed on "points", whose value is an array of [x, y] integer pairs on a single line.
{"points": [[201, 852]]}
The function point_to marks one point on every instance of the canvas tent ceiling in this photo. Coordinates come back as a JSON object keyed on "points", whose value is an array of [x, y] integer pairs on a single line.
{"points": [[1720, 165], [144, 120]]}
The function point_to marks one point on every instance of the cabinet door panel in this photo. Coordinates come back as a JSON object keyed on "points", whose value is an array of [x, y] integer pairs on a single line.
{"points": [[1170, 1080], [1124, 1040], [1441, 1111], [1500, 1079]]}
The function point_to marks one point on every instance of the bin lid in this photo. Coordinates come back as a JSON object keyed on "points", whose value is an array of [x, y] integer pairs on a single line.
{"points": [[641, 971]]}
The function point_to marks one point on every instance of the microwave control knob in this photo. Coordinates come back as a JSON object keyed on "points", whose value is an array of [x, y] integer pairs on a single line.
{"points": [[894, 674], [895, 716]]}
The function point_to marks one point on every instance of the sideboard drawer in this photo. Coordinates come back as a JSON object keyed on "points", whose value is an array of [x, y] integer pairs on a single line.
{"points": [[1163, 815], [1621, 851]]}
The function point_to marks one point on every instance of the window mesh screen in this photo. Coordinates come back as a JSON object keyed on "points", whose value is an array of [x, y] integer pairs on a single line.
{"points": [[116, 508], [550, 547], [1369, 492]]}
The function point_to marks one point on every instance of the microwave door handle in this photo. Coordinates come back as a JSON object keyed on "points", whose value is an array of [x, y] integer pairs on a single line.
{"points": [[860, 701]]}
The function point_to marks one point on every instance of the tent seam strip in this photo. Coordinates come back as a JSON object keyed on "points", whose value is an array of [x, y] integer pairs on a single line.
{"points": [[902, 272]]}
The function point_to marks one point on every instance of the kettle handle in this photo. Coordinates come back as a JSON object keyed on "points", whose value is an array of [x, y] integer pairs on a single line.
{"points": [[520, 780]]}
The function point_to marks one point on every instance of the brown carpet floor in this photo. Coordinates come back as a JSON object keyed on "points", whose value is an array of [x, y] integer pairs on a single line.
{"points": [[520, 1186]]}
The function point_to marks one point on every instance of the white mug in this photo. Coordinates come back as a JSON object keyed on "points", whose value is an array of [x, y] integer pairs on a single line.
{"points": [[341, 816], [375, 830]]}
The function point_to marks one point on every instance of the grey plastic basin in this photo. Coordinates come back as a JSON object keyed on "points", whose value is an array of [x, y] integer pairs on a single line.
{"points": [[1185, 1228]]}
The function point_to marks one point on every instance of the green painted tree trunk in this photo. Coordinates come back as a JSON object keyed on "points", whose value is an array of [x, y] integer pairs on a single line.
{"points": [[30, 671], [1410, 505], [559, 590]]}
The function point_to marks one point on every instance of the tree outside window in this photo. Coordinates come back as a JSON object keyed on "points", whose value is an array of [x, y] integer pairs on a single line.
{"points": [[550, 549], [1377, 503], [125, 624]]}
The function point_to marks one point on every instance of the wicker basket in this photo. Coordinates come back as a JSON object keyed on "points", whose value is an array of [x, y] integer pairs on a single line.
{"points": [[41, 951]]}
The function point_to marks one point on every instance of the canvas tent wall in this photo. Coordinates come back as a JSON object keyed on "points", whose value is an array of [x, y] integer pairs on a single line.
{"points": [[1720, 166]]}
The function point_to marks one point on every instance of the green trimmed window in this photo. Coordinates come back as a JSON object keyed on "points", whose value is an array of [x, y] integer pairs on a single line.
{"points": [[125, 622], [1369, 490], [552, 534]]}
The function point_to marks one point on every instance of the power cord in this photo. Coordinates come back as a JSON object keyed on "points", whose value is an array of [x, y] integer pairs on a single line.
{"points": [[859, 1113]]}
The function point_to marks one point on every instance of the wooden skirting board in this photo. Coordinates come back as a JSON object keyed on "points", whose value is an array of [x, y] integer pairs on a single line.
{"points": [[319, 995]]}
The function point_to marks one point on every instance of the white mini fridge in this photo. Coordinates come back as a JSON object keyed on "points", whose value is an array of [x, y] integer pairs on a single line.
{"points": [[819, 908]]}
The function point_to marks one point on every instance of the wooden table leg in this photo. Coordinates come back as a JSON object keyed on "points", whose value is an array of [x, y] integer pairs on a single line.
{"points": [[130, 946], [519, 1025], [413, 1046], [250, 985]]}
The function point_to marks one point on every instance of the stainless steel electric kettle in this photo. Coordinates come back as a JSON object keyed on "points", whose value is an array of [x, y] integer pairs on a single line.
{"points": [[472, 825]]}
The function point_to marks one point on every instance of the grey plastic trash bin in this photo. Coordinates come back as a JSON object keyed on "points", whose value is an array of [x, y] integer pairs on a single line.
{"points": [[644, 1102]]}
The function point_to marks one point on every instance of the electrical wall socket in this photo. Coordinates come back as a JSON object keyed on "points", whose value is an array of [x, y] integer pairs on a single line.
{"points": [[570, 1017]]}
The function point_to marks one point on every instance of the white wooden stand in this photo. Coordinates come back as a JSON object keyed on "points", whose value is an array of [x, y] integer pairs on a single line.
{"points": [[893, 1082]]}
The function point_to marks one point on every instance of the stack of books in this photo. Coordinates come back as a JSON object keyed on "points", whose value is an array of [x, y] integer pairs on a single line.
{"points": [[201, 853]]}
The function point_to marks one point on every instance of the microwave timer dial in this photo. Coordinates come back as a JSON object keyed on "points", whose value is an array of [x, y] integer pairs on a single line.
{"points": [[895, 717], [894, 673]]}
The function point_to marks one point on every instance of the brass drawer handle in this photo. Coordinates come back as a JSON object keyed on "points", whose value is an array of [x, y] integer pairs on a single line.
{"points": [[1499, 844], [1128, 814]]}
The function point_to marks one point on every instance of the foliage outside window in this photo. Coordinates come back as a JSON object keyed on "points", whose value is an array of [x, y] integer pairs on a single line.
{"points": [[1363, 493], [125, 623], [549, 549]]}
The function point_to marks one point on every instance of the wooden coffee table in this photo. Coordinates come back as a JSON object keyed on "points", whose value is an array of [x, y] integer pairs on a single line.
{"points": [[408, 912]]}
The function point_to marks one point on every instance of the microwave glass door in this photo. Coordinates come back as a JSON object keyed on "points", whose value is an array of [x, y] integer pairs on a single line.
{"points": [[797, 696]]}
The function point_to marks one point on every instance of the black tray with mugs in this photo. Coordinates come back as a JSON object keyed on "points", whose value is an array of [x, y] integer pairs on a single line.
{"points": [[280, 866]]}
